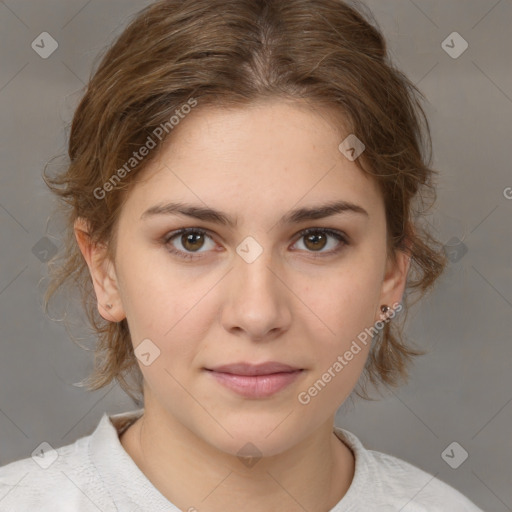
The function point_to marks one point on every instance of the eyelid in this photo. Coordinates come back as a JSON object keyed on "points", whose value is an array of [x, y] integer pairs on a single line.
{"points": [[182, 231]]}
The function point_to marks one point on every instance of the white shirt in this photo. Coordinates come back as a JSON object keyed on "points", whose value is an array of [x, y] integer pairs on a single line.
{"points": [[97, 474]]}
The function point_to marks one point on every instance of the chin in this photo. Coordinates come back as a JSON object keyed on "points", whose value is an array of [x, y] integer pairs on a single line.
{"points": [[251, 436]]}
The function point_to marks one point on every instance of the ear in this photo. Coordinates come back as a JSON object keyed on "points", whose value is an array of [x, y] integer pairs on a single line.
{"points": [[103, 274], [395, 280]]}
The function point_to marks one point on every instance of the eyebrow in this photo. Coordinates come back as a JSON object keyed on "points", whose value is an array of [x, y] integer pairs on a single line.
{"points": [[293, 217]]}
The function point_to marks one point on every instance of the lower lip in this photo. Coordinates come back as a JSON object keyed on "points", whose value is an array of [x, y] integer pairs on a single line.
{"points": [[256, 386]]}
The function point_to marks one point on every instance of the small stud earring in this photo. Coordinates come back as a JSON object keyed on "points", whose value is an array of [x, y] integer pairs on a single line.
{"points": [[385, 310], [108, 306]]}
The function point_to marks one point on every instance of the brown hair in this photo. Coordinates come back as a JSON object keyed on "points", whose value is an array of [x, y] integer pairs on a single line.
{"points": [[232, 53]]}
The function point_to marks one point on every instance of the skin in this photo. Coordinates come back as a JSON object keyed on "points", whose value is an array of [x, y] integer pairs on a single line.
{"points": [[295, 304]]}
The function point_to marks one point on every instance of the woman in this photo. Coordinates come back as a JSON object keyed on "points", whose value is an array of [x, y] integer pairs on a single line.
{"points": [[244, 186]]}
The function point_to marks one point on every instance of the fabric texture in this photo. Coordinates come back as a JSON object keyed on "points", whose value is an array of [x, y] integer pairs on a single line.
{"points": [[96, 474]]}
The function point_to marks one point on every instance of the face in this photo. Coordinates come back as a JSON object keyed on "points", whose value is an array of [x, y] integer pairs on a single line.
{"points": [[247, 284]]}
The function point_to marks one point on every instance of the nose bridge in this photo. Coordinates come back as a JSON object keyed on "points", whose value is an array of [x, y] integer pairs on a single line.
{"points": [[252, 268], [255, 302]]}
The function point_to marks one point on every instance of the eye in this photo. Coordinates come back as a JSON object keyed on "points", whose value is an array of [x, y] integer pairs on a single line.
{"points": [[188, 242], [316, 239], [191, 241]]}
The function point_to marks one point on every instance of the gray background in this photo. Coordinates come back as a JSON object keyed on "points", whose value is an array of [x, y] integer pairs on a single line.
{"points": [[461, 391]]}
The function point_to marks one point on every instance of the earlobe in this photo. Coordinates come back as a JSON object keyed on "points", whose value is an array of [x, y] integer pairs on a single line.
{"points": [[102, 272]]}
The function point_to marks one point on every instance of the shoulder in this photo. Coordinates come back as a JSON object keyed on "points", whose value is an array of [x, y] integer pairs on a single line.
{"points": [[417, 488], [399, 484], [53, 480]]}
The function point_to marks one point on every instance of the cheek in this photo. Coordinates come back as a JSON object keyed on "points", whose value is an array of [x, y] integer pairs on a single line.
{"points": [[176, 314], [157, 297], [345, 303], [341, 344]]}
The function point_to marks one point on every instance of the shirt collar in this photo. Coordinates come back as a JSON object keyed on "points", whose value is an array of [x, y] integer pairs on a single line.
{"points": [[128, 486]]}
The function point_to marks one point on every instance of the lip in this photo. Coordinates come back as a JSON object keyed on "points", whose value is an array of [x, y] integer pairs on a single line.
{"points": [[255, 381], [267, 368]]}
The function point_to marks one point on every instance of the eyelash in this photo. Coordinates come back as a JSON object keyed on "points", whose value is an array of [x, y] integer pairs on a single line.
{"points": [[340, 236]]}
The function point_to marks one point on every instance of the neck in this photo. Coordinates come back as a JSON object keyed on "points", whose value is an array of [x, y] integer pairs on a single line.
{"points": [[194, 475]]}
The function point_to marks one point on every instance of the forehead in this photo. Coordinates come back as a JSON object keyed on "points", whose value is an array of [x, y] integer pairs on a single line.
{"points": [[269, 125], [269, 155]]}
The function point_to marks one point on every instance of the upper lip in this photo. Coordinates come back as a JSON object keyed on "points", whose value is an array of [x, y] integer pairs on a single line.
{"points": [[254, 369]]}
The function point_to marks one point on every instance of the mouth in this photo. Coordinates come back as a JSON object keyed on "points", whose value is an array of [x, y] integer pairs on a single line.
{"points": [[248, 369], [255, 381]]}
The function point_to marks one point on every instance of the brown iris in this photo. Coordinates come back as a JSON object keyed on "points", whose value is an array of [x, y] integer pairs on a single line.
{"points": [[192, 241], [317, 241]]}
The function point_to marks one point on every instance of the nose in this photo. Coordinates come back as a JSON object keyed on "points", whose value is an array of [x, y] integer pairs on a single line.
{"points": [[257, 301]]}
